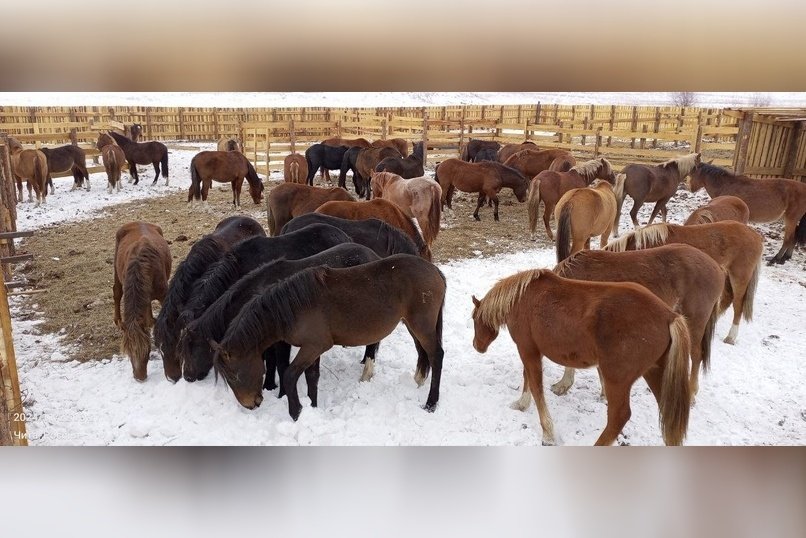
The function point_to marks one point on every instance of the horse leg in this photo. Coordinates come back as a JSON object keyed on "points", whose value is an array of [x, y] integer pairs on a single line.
{"points": [[618, 410], [312, 380], [637, 203], [270, 360], [427, 339], [205, 190], [133, 173], [306, 356], [522, 403], [478, 206], [548, 212], [533, 367], [605, 237], [156, 173], [117, 293], [282, 357], [561, 387], [788, 245], [495, 211], [739, 296], [369, 362], [30, 192]]}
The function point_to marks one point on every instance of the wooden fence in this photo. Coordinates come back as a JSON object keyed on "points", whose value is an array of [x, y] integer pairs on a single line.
{"points": [[771, 142]]}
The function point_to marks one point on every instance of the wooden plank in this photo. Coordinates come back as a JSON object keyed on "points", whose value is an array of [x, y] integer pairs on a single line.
{"points": [[19, 258], [15, 235], [9, 379]]}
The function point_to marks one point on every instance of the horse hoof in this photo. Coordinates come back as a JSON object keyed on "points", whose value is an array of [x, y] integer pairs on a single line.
{"points": [[729, 340], [477, 218], [548, 441], [560, 388], [518, 405], [430, 408]]}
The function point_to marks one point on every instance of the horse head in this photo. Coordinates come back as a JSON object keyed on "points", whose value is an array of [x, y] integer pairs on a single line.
{"points": [[606, 172], [483, 333], [243, 373]]}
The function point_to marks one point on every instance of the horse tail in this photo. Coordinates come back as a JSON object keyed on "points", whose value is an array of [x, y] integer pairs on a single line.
{"points": [[618, 188], [113, 171], [800, 231], [750, 294], [563, 244], [164, 163], [270, 217], [137, 315], [708, 336], [431, 228], [675, 396], [195, 181], [294, 171], [533, 205], [40, 179], [705, 217]]}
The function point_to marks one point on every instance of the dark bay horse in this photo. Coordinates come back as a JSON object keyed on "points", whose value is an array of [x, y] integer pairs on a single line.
{"points": [[485, 154], [531, 162], [559, 318], [223, 166], [228, 143], [768, 200], [142, 265], [291, 200], [348, 164], [155, 153], [508, 150], [657, 183], [548, 186], [368, 159], [66, 158], [203, 253], [719, 209], [325, 157], [474, 145], [321, 307], [486, 178], [411, 166], [295, 169], [736, 247]]}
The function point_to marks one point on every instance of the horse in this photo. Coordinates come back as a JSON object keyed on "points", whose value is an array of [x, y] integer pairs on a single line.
{"points": [[290, 200], [410, 167], [203, 253], [581, 214], [114, 161], [366, 161], [347, 142], [420, 198], [295, 169], [508, 150], [380, 209], [223, 166], [320, 307], [194, 350], [485, 154], [768, 200], [141, 269], [531, 162], [474, 145], [400, 144], [719, 209], [323, 156], [135, 130], [485, 178], [645, 183], [30, 165], [562, 319], [548, 186], [155, 153], [228, 143], [683, 277], [348, 164], [66, 158], [736, 247]]}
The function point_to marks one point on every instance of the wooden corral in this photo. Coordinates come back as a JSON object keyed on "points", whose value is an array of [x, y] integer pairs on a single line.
{"points": [[770, 142]]}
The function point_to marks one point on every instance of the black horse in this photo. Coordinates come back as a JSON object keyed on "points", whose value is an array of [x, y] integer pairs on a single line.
{"points": [[409, 167], [486, 154], [155, 153], [321, 155], [347, 165], [204, 252], [135, 130], [474, 146], [66, 158], [197, 356]]}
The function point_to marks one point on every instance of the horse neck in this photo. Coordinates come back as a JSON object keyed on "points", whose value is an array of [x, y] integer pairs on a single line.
{"points": [[509, 178]]}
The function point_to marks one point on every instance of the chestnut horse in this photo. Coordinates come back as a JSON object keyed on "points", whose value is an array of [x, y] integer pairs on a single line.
{"points": [[155, 153], [379, 209], [645, 183], [768, 200], [582, 214], [683, 277], [295, 169], [400, 144], [531, 162], [486, 178], [366, 161], [142, 267], [223, 166], [228, 143], [419, 198], [114, 161], [508, 150], [548, 186], [64, 158], [474, 145], [736, 247], [320, 307], [290, 200], [30, 165], [719, 209], [562, 319]]}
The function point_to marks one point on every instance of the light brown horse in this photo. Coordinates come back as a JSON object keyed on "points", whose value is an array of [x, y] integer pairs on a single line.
{"points": [[380, 209], [531, 162], [508, 150], [548, 186], [551, 316], [419, 198], [289, 200], [368, 159], [486, 178], [683, 277], [582, 214], [736, 247], [400, 144], [226, 167], [30, 165], [652, 184], [142, 267], [229, 143], [295, 168], [768, 200], [719, 209], [114, 161]]}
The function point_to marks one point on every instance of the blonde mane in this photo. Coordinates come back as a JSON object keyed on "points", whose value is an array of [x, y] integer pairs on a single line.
{"points": [[649, 236], [497, 304], [589, 169], [685, 164]]}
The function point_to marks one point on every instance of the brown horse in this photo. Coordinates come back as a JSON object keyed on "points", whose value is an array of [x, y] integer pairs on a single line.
{"points": [[719, 209], [155, 153], [548, 186], [562, 319], [582, 214], [320, 307], [339, 141], [768, 200], [646, 183], [114, 160], [228, 143], [474, 146], [64, 158], [400, 144], [290, 200], [419, 198], [223, 166], [531, 162], [379, 209], [30, 165], [486, 178], [142, 266], [683, 277], [369, 158], [736, 247], [295, 169], [508, 150]]}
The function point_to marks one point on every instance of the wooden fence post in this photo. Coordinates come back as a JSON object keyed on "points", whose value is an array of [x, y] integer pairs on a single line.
{"points": [[216, 132], [598, 142], [425, 137], [612, 123], [585, 125], [14, 415], [462, 130], [792, 150], [634, 124], [742, 143], [537, 113], [293, 134], [657, 128], [148, 124], [181, 124], [643, 138], [268, 153]]}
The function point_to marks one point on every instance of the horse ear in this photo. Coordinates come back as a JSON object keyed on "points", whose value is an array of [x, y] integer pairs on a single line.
{"points": [[711, 161], [476, 302], [215, 346]]}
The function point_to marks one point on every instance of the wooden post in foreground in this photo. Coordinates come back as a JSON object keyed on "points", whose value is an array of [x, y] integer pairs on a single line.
{"points": [[12, 429]]}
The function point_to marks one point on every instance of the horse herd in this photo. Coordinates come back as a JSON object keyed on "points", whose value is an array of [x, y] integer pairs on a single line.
{"points": [[334, 270]]}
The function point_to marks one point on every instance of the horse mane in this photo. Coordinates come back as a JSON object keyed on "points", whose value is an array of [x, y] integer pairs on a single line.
{"points": [[566, 265], [649, 236], [495, 307], [137, 299], [589, 169], [714, 171], [685, 164], [212, 284], [399, 242]]}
